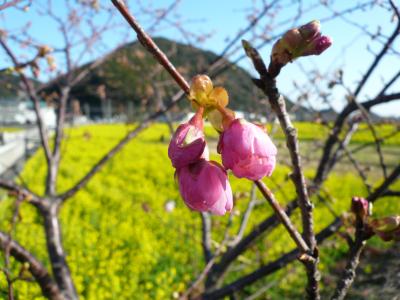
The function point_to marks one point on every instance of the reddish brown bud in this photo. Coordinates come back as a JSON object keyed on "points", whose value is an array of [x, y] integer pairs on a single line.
{"points": [[361, 207]]}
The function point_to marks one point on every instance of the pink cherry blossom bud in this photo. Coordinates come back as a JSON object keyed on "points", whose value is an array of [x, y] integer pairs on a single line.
{"points": [[188, 144], [247, 150], [318, 45], [361, 207], [292, 39], [303, 41], [310, 30], [284, 49], [204, 186]]}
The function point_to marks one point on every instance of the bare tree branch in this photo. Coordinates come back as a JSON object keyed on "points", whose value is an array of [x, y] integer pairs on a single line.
{"points": [[9, 4], [42, 276], [206, 236], [283, 217], [349, 272], [22, 191], [149, 44], [246, 216], [61, 271], [268, 85], [378, 58], [36, 102], [292, 255]]}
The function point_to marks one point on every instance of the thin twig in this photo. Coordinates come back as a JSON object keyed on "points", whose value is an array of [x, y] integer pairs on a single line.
{"points": [[206, 236], [9, 4], [246, 216], [269, 196], [48, 286], [349, 272], [149, 44], [36, 103], [268, 85], [291, 256], [22, 191]]}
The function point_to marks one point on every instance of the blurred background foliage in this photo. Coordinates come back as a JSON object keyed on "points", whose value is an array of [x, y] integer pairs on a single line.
{"points": [[122, 241]]}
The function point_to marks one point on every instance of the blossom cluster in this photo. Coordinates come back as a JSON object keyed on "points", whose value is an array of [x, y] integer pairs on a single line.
{"points": [[245, 149]]}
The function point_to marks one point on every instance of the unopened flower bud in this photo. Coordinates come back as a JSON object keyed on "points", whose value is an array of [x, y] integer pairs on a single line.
{"points": [[204, 186], [386, 224], [387, 228], [200, 89], [203, 93], [303, 41], [310, 30], [318, 45], [292, 39], [247, 150], [361, 207], [188, 143], [44, 50]]}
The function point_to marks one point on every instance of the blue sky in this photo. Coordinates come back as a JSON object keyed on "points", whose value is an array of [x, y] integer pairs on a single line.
{"points": [[352, 51]]}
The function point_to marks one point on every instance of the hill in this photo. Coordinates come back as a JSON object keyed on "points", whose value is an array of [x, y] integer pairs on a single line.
{"points": [[9, 85], [131, 78]]}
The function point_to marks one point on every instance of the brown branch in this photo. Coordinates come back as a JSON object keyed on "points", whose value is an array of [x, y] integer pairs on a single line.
{"points": [[149, 44], [283, 217], [337, 128], [61, 271], [378, 58], [48, 286], [268, 85], [209, 264], [36, 103], [163, 15], [206, 236], [342, 145], [350, 107], [162, 58], [391, 194], [246, 217], [9, 4], [270, 268], [220, 268], [358, 168], [291, 256], [21, 191], [349, 272], [377, 141]]}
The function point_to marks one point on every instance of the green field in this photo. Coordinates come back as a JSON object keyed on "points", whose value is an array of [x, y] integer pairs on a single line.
{"points": [[123, 244]]}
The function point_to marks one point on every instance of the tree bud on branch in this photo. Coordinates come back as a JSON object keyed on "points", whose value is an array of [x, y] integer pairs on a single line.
{"points": [[303, 41], [361, 207], [387, 228]]}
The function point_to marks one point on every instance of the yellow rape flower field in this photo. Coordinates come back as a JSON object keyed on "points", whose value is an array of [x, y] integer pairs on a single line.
{"points": [[122, 242]]}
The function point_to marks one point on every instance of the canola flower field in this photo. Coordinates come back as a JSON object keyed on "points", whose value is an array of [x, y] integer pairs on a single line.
{"points": [[122, 242]]}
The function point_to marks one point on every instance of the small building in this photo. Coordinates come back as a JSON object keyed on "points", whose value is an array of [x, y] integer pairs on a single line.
{"points": [[19, 112]]}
